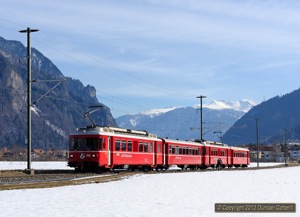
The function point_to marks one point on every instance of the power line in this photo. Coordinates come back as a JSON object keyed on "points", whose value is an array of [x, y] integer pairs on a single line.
{"points": [[149, 85], [157, 88]]}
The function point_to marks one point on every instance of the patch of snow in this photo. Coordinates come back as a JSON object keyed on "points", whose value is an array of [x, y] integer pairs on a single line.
{"points": [[35, 110], [161, 194], [243, 105], [57, 165], [155, 112], [133, 122], [56, 129], [21, 165]]}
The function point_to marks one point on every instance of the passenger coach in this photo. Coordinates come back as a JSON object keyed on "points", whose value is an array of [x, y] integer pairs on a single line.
{"points": [[108, 147], [100, 148]]}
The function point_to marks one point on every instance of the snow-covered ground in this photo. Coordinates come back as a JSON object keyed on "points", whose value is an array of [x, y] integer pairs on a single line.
{"points": [[21, 165], [162, 194]]}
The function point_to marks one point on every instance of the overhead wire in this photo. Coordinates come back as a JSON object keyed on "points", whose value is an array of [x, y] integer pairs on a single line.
{"points": [[149, 85], [152, 86]]}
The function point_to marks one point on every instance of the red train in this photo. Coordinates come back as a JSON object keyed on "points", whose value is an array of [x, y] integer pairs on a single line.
{"points": [[101, 148]]}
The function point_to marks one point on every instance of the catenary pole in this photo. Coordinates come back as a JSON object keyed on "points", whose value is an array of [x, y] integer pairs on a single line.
{"points": [[201, 122], [28, 31], [257, 152], [285, 148]]}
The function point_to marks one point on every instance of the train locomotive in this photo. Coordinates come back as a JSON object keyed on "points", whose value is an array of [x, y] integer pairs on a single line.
{"points": [[102, 148]]}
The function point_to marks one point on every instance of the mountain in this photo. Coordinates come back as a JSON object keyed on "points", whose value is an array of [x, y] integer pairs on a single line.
{"points": [[184, 122], [242, 105], [54, 116], [273, 116]]}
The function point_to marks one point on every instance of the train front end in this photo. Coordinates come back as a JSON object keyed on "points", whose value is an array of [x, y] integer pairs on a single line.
{"points": [[85, 147]]}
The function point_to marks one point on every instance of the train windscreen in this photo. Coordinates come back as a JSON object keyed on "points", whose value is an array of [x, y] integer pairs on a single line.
{"points": [[85, 144]]}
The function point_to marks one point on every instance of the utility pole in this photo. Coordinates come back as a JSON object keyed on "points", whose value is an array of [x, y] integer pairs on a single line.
{"points": [[28, 31], [285, 148], [257, 152], [201, 128]]}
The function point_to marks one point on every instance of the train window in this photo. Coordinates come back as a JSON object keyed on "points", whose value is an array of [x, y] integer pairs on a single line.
{"points": [[90, 144], [183, 150], [173, 150], [214, 152], [145, 146], [73, 144], [141, 147], [129, 143], [100, 143], [158, 148], [117, 145], [170, 149], [197, 151], [123, 145], [103, 143], [176, 150], [151, 147], [180, 150]]}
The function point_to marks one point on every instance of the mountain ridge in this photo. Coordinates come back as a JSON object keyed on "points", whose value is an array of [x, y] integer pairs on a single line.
{"points": [[183, 122], [273, 115], [54, 116]]}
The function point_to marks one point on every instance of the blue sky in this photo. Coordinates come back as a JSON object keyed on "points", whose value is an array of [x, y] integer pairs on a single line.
{"points": [[143, 54]]}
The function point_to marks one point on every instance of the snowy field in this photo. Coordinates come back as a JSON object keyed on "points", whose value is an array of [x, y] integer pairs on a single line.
{"points": [[21, 165], [175, 194]]}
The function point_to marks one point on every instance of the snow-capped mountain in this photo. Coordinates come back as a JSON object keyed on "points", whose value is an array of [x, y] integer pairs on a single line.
{"points": [[184, 122], [155, 112], [242, 105]]}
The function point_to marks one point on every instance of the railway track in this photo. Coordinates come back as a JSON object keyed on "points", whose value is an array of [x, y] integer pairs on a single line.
{"points": [[18, 179]]}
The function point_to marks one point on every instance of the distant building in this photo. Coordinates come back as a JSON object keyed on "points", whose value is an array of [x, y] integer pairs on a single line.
{"points": [[294, 151], [267, 153]]}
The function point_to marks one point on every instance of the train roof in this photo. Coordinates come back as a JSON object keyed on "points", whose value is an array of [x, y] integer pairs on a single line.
{"points": [[182, 142], [238, 148], [97, 130]]}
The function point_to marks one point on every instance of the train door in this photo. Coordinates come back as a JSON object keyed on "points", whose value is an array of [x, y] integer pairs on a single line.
{"points": [[109, 152], [204, 156], [208, 156], [248, 157], [165, 154], [231, 157], [158, 153], [153, 149], [227, 157]]}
